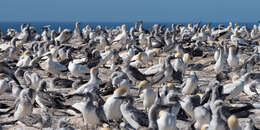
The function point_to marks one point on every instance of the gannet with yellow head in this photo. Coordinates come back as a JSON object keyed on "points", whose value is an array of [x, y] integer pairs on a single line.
{"points": [[148, 94], [24, 60], [112, 105], [167, 121]]}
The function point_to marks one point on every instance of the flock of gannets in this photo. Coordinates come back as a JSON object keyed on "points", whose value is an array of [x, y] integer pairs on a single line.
{"points": [[142, 79]]}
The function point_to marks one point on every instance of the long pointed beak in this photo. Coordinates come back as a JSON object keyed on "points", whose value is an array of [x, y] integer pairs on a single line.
{"points": [[121, 97], [166, 106], [139, 91]]}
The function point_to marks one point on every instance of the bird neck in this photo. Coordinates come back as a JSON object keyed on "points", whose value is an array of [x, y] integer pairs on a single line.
{"points": [[231, 52], [220, 55], [173, 38], [216, 113], [93, 78], [235, 127], [13, 43], [50, 59], [141, 27]]}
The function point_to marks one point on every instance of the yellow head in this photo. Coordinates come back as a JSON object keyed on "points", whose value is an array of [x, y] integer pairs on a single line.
{"points": [[51, 46], [95, 103], [186, 56], [157, 51], [235, 77], [161, 113], [160, 60], [178, 55], [204, 127], [120, 91], [170, 85], [236, 25], [107, 48], [2, 75], [123, 27], [199, 94], [232, 122], [26, 52], [143, 84], [189, 25]]}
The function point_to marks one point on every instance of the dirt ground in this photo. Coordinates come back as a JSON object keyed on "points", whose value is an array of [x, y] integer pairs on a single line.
{"points": [[205, 75]]}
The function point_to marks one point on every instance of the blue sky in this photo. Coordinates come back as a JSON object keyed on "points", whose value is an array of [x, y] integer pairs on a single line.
{"points": [[131, 10]]}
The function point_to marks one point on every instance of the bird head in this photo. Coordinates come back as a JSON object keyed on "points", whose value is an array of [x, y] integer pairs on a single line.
{"points": [[161, 112], [123, 27], [142, 85], [27, 52], [170, 85], [9, 30], [77, 23], [235, 77], [107, 48], [2, 75], [120, 91], [187, 57], [230, 23], [177, 55], [157, 51], [204, 127], [232, 122], [51, 46]]}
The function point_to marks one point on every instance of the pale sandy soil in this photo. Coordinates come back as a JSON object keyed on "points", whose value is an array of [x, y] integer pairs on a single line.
{"points": [[77, 122]]}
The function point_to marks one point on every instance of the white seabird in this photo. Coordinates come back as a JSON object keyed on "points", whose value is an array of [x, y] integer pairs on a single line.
{"points": [[148, 94], [191, 84], [167, 121], [23, 105], [53, 66], [112, 105], [78, 70]]}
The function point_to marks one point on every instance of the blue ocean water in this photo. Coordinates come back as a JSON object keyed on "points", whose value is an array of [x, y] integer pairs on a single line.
{"points": [[70, 25]]}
